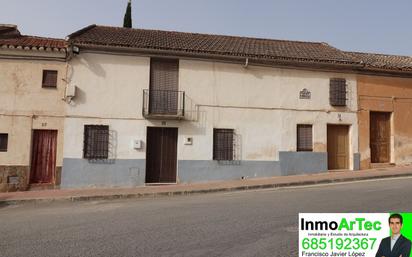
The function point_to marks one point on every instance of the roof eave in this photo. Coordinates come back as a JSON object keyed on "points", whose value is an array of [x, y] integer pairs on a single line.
{"points": [[278, 62], [385, 72]]}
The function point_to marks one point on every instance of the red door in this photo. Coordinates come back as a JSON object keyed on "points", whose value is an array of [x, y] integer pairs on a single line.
{"points": [[43, 156]]}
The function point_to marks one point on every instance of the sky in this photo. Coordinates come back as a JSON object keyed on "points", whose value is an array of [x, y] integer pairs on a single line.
{"points": [[377, 26]]}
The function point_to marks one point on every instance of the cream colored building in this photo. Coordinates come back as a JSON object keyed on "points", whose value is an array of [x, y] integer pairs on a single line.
{"points": [[32, 73], [170, 107]]}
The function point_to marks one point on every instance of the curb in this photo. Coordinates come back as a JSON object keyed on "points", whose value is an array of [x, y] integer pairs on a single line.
{"points": [[196, 191]]}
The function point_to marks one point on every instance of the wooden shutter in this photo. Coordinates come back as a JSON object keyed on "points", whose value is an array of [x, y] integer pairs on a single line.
{"points": [[164, 76], [223, 144], [4, 138], [49, 78], [304, 138], [337, 92], [96, 142]]}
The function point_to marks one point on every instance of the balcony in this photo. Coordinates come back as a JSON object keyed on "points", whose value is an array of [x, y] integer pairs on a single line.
{"points": [[163, 104]]}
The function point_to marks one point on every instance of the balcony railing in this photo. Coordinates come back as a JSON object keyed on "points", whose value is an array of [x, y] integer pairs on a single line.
{"points": [[163, 104]]}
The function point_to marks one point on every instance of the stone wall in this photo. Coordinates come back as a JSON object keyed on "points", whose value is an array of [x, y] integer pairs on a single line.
{"points": [[14, 178]]}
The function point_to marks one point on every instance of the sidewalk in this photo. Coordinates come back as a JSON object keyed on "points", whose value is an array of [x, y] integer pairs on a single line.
{"points": [[200, 188]]}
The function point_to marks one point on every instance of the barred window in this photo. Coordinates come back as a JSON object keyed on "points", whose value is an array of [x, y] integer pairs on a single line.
{"points": [[96, 142], [304, 138], [4, 138], [49, 78], [223, 141], [337, 92]]}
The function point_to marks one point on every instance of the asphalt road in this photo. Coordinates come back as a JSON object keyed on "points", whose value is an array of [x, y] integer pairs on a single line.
{"points": [[253, 223]]}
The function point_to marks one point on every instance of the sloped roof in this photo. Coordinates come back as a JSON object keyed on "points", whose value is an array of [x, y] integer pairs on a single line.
{"points": [[383, 61], [31, 42], [11, 38], [220, 45]]}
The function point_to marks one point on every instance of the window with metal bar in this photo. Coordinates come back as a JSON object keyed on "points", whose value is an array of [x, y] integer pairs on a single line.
{"points": [[49, 78], [337, 92], [96, 142], [4, 138], [223, 144], [304, 138]]}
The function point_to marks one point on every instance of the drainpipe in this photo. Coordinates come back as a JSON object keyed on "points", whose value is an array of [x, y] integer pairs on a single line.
{"points": [[246, 63]]}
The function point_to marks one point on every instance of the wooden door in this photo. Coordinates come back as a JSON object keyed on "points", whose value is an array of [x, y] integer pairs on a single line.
{"points": [[380, 132], [43, 157], [163, 91], [161, 155], [338, 147]]}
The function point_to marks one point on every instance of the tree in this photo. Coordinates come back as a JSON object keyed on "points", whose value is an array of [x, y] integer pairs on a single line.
{"points": [[127, 21]]}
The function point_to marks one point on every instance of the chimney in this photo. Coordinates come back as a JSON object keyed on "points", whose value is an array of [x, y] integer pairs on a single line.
{"points": [[9, 31]]}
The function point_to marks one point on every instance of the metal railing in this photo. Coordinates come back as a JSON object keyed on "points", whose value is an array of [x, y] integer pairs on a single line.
{"points": [[163, 104]]}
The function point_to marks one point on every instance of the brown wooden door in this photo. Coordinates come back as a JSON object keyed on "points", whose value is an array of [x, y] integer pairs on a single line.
{"points": [[338, 147], [43, 156], [380, 132], [161, 155]]}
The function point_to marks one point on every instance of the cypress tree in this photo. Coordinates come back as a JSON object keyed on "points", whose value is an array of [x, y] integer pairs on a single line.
{"points": [[127, 21]]}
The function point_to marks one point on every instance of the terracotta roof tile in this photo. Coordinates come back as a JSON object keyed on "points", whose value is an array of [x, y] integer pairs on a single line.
{"points": [[263, 49], [33, 42], [383, 61]]}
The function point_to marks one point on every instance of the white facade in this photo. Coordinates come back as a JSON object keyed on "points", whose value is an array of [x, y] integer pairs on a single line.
{"points": [[261, 104]]}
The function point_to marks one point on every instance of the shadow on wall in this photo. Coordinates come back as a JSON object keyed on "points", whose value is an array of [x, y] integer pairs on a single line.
{"points": [[94, 67], [191, 109], [80, 97], [197, 119], [195, 128]]}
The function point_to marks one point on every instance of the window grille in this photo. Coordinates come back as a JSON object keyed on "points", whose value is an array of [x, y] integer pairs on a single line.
{"points": [[96, 142], [49, 78], [337, 92], [223, 144], [304, 138], [4, 138]]}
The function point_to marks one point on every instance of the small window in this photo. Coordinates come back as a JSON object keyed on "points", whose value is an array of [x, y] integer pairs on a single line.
{"points": [[337, 92], [96, 142], [4, 138], [49, 78], [304, 138], [223, 141]]}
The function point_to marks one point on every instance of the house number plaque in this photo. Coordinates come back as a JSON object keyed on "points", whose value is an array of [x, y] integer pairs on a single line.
{"points": [[304, 94]]}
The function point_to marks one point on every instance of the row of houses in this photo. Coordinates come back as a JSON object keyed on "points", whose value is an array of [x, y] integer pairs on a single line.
{"points": [[113, 106]]}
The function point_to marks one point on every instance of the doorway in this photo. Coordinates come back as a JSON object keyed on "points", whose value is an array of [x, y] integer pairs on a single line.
{"points": [[161, 155], [380, 132], [338, 147], [43, 157]]}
